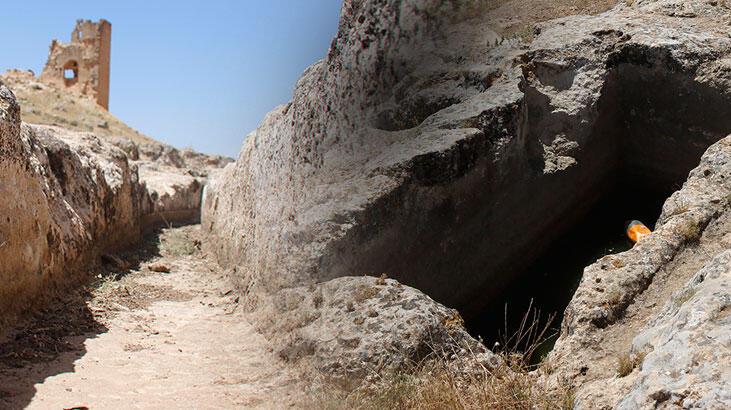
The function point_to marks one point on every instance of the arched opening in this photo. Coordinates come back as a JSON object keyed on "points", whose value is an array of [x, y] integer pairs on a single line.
{"points": [[70, 73]]}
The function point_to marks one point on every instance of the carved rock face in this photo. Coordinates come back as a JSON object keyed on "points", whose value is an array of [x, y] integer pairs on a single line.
{"points": [[420, 148]]}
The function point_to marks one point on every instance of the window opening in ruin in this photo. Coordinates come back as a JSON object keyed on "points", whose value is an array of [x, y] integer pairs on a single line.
{"points": [[71, 73]]}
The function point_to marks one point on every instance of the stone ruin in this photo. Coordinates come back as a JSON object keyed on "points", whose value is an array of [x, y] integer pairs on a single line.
{"points": [[83, 64]]}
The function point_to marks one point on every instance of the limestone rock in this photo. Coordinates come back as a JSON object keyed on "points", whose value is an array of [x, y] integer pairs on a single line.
{"points": [[688, 364], [66, 198], [356, 174], [155, 154], [172, 196], [354, 327], [611, 293]]}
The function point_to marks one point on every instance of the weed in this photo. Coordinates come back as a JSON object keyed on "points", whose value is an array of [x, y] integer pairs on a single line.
{"points": [[624, 365], [618, 263], [614, 297], [317, 300], [179, 243], [364, 292]]}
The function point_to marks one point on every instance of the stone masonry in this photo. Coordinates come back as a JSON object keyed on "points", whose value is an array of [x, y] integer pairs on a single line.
{"points": [[83, 64]]}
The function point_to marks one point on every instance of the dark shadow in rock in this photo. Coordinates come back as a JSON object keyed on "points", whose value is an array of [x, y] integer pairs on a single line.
{"points": [[550, 282]]}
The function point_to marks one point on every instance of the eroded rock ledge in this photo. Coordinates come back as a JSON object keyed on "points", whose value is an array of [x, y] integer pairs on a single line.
{"points": [[68, 198]]}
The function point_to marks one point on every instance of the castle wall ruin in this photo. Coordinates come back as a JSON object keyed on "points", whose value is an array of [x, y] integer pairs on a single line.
{"points": [[83, 64]]}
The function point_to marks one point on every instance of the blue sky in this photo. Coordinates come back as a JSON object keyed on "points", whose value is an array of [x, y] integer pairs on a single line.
{"points": [[198, 74]]}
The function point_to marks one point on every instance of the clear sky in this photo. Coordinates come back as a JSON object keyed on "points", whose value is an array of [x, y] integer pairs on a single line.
{"points": [[198, 74]]}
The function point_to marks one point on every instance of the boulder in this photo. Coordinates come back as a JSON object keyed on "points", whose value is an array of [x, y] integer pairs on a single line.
{"points": [[353, 328]]}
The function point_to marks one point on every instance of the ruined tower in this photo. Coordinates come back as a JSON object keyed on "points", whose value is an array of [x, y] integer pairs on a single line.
{"points": [[83, 64]]}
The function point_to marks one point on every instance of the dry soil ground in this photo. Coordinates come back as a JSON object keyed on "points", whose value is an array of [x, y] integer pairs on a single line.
{"points": [[144, 339]]}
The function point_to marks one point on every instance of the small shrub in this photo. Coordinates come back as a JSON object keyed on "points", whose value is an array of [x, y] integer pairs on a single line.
{"points": [[624, 365], [179, 243], [317, 300], [614, 298], [364, 292]]}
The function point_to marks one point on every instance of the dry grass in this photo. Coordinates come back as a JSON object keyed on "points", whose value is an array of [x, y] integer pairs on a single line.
{"points": [[464, 383], [625, 365], [690, 230], [627, 362], [364, 292], [179, 243], [439, 386]]}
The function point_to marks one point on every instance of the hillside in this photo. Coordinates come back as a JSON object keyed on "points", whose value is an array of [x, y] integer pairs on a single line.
{"points": [[47, 104]]}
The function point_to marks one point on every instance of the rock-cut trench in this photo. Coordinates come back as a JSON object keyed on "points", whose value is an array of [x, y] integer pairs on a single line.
{"points": [[653, 126], [510, 231]]}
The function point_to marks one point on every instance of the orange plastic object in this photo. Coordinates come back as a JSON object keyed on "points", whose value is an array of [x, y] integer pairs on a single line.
{"points": [[636, 230]]}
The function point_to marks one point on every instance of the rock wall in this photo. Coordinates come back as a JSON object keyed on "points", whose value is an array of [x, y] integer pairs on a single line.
{"points": [[68, 198], [320, 187], [681, 332]]}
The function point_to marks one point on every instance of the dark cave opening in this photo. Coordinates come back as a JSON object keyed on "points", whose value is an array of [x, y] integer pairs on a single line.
{"points": [[652, 128], [546, 286]]}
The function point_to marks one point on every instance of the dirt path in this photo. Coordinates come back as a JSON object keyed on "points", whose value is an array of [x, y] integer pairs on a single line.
{"points": [[146, 340]]}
